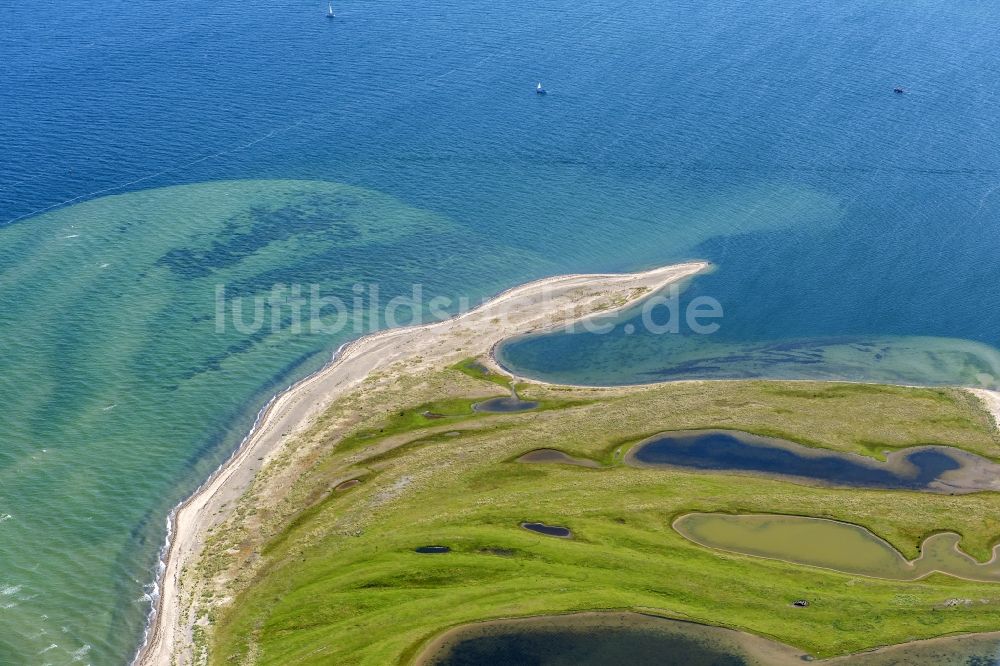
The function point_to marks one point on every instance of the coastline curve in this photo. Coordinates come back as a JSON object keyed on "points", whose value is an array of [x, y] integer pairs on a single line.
{"points": [[532, 307]]}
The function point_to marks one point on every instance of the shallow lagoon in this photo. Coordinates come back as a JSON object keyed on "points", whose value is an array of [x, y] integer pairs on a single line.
{"points": [[505, 405], [929, 468], [831, 544], [590, 639], [599, 639]]}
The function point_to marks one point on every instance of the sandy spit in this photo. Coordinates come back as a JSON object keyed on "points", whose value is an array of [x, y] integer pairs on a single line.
{"points": [[536, 306]]}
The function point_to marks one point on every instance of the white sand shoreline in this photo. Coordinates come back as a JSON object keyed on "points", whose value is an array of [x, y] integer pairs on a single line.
{"points": [[531, 307], [991, 401]]}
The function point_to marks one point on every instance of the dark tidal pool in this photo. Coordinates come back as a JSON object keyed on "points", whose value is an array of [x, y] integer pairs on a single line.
{"points": [[934, 468], [633, 639]]}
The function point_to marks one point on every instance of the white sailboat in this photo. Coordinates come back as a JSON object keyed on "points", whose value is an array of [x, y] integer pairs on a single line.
{"points": [[329, 10], [539, 90]]}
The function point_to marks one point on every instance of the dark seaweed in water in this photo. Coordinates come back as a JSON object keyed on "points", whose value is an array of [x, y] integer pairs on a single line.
{"points": [[536, 646], [732, 451], [548, 530]]}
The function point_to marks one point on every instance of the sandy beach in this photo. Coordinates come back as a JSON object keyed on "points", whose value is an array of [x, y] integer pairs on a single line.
{"points": [[536, 306], [991, 400]]}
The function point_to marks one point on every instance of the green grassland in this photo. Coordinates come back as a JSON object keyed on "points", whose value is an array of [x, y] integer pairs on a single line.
{"points": [[322, 576], [473, 368]]}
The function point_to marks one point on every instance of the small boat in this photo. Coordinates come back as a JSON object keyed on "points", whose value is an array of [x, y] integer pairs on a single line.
{"points": [[329, 10], [539, 90], [898, 90]]}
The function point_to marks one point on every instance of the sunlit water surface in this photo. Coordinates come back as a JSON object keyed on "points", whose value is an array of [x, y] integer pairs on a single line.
{"points": [[151, 151]]}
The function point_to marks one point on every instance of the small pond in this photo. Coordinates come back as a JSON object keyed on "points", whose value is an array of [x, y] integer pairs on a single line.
{"points": [[930, 468], [432, 550], [505, 405], [557, 457], [593, 639], [614, 638], [831, 544], [548, 530]]}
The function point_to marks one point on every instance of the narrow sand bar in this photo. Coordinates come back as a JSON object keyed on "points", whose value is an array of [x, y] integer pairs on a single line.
{"points": [[533, 307]]}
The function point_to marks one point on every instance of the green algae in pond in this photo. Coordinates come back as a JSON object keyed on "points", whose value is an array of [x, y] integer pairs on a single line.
{"points": [[830, 544]]}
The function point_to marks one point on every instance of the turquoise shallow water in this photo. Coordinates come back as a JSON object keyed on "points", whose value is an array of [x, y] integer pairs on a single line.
{"points": [[152, 150], [120, 392]]}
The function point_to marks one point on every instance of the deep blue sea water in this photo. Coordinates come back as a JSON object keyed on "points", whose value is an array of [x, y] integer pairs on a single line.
{"points": [[150, 150]]}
